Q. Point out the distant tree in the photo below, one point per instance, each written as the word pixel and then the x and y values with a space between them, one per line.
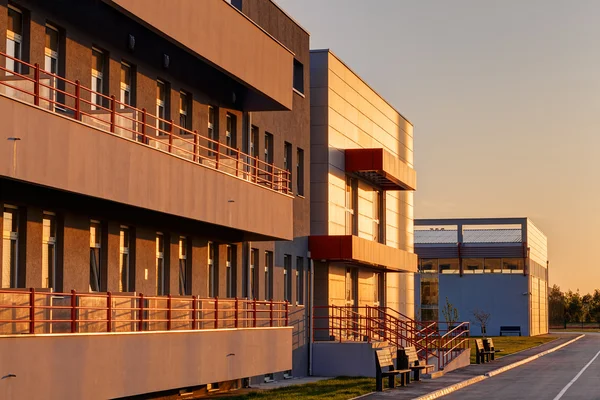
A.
pixel 481 318
pixel 574 309
pixel 450 314
pixel 557 306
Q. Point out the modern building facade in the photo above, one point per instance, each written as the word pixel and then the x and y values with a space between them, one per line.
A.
pixel 498 266
pixel 154 164
pixel 362 183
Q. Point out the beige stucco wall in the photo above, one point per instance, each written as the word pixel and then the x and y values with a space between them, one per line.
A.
pixel 103 366
pixel 347 114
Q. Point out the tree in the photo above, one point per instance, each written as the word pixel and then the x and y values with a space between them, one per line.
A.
pixel 450 314
pixel 481 319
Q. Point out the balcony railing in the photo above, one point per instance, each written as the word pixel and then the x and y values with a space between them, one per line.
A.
pixel 31 311
pixel 28 83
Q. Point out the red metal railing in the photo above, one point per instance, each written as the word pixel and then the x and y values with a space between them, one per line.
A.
pixel 366 323
pixel 35 312
pixel 70 98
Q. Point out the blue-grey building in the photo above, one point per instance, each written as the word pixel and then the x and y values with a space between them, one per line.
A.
pixel 497 266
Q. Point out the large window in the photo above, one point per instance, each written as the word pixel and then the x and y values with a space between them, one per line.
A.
pixel 162 107
pixel 378 291
pixel 51 54
pixel 185 117
pixel 378 216
pixel 183 267
pixel 126 84
pixel 299 280
pixel 160 265
pixel 253 273
pixel 428 266
pixel 287 277
pixel 98 65
pixel 300 171
pixel 95 254
pixel 512 265
pixel 124 261
pixel 230 270
pixel 351 206
pixel 213 133
pixel 10 239
pixel 287 162
pixel 449 266
pixel 212 270
pixel 14 39
pixel 231 134
pixel 268 275
pixel 492 265
pixel 48 250
pixel 472 265
pixel 298 76
pixel 351 285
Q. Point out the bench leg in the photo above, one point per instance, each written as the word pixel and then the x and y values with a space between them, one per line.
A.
pixel 417 373
pixel 402 380
pixel 392 381
pixel 379 384
pixel 492 355
pixel 477 358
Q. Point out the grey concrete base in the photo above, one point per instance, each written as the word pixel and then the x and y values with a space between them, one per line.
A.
pixel 344 359
pixel 460 361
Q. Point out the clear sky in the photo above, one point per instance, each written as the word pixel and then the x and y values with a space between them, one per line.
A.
pixel 505 100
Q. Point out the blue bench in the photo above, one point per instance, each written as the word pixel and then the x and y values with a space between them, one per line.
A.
pixel 510 329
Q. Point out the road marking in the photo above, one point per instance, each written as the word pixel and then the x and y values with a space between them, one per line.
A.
pixel 562 392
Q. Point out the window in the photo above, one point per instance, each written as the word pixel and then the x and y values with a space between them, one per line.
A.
pixel 124 262
pixel 51 57
pixel 160 265
pixel 97 77
pixel 351 203
pixel 269 156
pixel 300 171
pixel 230 270
pixel 512 265
pixel 183 272
pixel 185 120
pixel 268 275
pixel 213 134
pixel 14 39
pixel 428 266
pixel 254 141
pixel 212 270
pixel 472 265
pixel 287 163
pixel 162 113
pixel 298 76
pixel 448 266
pixel 48 250
pixel 95 254
pixel 429 291
pixel 492 265
pixel 230 134
pixel 299 280
pixel 10 239
pixel 126 82
pixel 378 216
pixel 253 272
pixel 287 277
pixel 351 285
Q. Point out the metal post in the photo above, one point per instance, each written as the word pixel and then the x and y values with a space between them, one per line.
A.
pixel 287 313
pixel 31 310
pixel 109 312
pixel 217 155
pixel 236 311
pixel 144 125
pixel 196 146
pixel 171 136
pixel 73 312
pixel 271 313
pixel 77 100
pixel 194 311
pixel 113 110
pixel 254 306
pixel 216 313
pixel 36 87
pixel 340 322
pixel 141 316
pixel 169 312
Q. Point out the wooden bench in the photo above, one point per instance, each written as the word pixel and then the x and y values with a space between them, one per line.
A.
pixel 510 329
pixel 481 354
pixel 407 358
pixel 488 345
pixel 383 359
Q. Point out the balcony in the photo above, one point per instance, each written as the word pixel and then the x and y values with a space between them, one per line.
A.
pixel 162 342
pixel 110 150
pixel 381 168
pixel 225 38
pixel 348 248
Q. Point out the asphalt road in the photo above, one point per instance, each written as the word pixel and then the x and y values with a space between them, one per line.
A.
pixel 570 373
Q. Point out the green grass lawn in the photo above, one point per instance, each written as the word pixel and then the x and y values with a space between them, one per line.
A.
pixel 332 389
pixel 512 344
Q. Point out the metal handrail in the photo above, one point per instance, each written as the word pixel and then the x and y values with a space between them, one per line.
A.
pixel 148 129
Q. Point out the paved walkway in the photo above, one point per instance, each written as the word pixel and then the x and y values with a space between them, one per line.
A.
pixel 426 386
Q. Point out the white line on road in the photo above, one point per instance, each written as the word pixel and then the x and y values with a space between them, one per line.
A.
pixel 562 392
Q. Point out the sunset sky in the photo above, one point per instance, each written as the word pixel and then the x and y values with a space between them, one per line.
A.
pixel 505 100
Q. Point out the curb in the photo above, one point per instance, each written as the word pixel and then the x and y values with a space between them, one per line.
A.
pixel 469 382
